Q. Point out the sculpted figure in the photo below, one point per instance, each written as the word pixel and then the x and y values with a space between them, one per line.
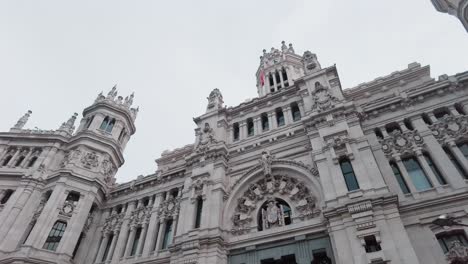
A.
pixel 266 161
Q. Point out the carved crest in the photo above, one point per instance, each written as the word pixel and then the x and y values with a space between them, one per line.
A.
pixel 323 98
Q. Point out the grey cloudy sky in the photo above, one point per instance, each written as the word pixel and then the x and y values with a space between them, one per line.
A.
pixel 56 56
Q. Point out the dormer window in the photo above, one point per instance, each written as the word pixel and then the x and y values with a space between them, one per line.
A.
pixel 107 124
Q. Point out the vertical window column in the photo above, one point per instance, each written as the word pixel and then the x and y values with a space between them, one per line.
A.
pixel 161 228
pixel 427 169
pixel 287 115
pixel 13 158
pixel 243 130
pixel 458 155
pixel 258 125
pixel 348 174
pixel 272 120
pixel 130 241
pixel 280 72
pixel 110 251
pixel 102 247
pixel 453 111
pixel 404 173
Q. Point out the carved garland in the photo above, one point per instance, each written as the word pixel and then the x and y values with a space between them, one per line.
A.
pixel 401 143
pixel 248 204
pixel 450 128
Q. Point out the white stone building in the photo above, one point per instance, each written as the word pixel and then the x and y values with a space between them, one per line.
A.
pixel 457 8
pixel 307 172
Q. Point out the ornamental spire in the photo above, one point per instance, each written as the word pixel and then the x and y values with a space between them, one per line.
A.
pixel 23 120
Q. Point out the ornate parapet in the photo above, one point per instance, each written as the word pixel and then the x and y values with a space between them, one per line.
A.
pixel 400 143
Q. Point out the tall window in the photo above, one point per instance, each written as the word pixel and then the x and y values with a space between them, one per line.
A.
pixel 265 122
pixel 371 244
pixel 106 250
pixel 19 161
pixel 88 122
pixel 122 135
pixel 278 80
pixel 464 149
pixel 285 77
pixel 77 246
pixel 28 231
pixel 6 196
pixel 401 181
pixel 7 160
pixel 417 175
pixel 107 124
pixel 250 127
pixel 31 162
pixel 455 163
pixel 446 239
pixel 349 176
pixel 167 234
pixel 434 169
pixel 55 236
pixel 279 117
pixel 441 112
pixel 198 213
pixel 135 242
pixel 236 131
pixel 73 197
pixel 296 114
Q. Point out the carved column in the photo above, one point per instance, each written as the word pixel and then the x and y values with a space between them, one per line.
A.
pixel 257 125
pixel 123 234
pixel 110 254
pixel 152 227
pixel 162 227
pixel 131 237
pixel 102 248
pixel 287 115
pixel 427 169
pixel 458 155
pixel 453 111
pixel 432 117
pixel 405 175
pixel 26 158
pixel 272 120
pixel 300 104
pixel 242 130
pixel 281 78
pixel 13 159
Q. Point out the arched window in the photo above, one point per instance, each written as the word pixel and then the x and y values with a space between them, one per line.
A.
pixel 107 124
pixel 296 113
pixel 6 196
pixel 274 212
pixel 416 173
pixel 250 127
pixel 198 212
pixel 279 117
pixel 55 235
pixel 348 174
pixel 235 128
pixel 32 161
pixel 285 77
pixel 426 119
pixel 378 133
pixel 19 161
pixel 434 169
pixel 110 126
pixel 401 181
pixel 459 109
pixel 265 122
pixel 7 160
pixel 278 80
pixel 104 123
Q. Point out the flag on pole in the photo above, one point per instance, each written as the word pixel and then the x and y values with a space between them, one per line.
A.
pixel 262 77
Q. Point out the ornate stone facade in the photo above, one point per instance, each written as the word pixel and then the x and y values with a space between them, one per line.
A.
pixel 308 172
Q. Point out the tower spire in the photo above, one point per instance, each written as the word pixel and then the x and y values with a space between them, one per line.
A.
pixel 23 120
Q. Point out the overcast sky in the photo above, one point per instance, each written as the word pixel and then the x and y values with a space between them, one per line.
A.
pixel 56 56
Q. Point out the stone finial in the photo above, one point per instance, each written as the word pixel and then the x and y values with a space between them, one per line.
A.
pixel 23 120
pixel 112 93
pixel 129 100
pixel 215 100
pixel 69 126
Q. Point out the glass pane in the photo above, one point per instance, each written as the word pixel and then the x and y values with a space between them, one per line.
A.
pixel 417 175
pixel 464 150
pixel 434 169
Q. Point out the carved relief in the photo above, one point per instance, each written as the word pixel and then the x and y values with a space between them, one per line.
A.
pixel 205 138
pixel 272 216
pixel 266 161
pixel 140 216
pixel 401 142
pixel 304 201
pixel 323 99
pixel 67 208
pixel 169 208
pixel 90 159
pixel 457 250
pixel 450 128
pixel 215 100
pixel 113 222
